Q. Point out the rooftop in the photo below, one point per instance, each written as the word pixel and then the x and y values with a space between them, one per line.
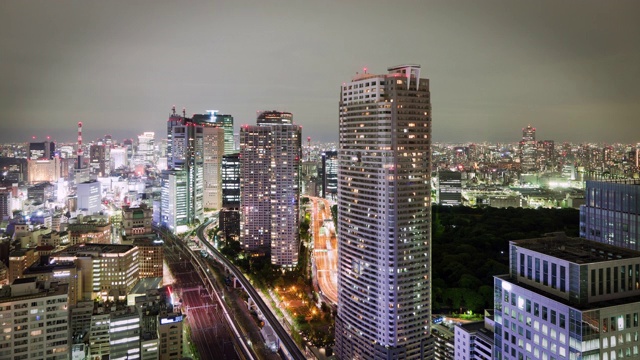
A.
pixel 90 248
pixel 576 250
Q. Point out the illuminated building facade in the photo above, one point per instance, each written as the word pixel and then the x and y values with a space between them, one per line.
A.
pixel 174 210
pixel 528 149
pixel 151 255
pixel 145 152
pixel 109 271
pixel 270 156
pixel 43 170
pixel 45 150
pixel 182 199
pixel 90 197
pixel 230 213
pixel 98 159
pixel 137 220
pixel 213 150
pixel 567 298
pixel 611 213
pixel 35 324
pixel 124 334
pixel 384 217
pixel 329 174
pixel 450 188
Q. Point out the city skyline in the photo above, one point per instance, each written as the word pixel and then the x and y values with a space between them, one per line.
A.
pixel 497 66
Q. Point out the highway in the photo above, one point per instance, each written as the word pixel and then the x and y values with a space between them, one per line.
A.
pixel 285 340
pixel 325 249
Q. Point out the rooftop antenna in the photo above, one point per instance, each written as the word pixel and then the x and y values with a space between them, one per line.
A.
pixel 173 109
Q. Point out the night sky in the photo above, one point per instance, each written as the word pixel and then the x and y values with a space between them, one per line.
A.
pixel 569 68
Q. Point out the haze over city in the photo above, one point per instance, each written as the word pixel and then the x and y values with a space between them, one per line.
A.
pixel 568 68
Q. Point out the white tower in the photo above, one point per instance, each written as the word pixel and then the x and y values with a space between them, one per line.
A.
pixel 384 216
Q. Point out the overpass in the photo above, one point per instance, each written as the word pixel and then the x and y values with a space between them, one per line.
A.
pixel 290 348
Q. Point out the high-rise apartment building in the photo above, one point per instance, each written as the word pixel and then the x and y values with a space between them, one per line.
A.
pixel 528 149
pixel 270 155
pixel 611 213
pixel 384 216
pixel 567 298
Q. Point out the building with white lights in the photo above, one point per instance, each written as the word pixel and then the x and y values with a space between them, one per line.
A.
pixel 528 149
pixel 34 320
pixel 270 154
pixel 43 170
pixel 108 271
pixel 384 217
pixel 89 197
pixel 567 298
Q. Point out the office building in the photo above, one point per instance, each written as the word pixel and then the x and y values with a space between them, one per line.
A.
pixel 213 150
pixel 124 334
pixel 98 159
pixel 546 157
pixel 118 158
pixel 223 121
pixel 230 213
pixel 43 170
pixel 108 271
pixel 384 217
pixel 450 188
pixel 567 298
pixel 182 198
pixel 89 197
pixel 45 150
pixel 528 149
pixel 19 262
pixel 270 155
pixel 474 340
pixel 611 213
pixel 89 229
pixel 145 152
pixel 6 212
pixel 35 320
pixel 151 255
pixel 329 174
pixel 136 220
pixel 174 209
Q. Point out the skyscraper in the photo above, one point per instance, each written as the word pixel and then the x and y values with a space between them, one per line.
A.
pixel 270 155
pixel 183 183
pixel 230 213
pixel 384 216
pixel 528 149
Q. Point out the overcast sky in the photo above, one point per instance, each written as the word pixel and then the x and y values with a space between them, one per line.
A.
pixel 569 68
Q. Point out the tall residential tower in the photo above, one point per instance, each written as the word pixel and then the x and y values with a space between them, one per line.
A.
pixel 384 216
pixel 270 156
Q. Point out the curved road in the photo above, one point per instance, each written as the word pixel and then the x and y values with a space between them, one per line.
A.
pixel 284 337
pixel 325 249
